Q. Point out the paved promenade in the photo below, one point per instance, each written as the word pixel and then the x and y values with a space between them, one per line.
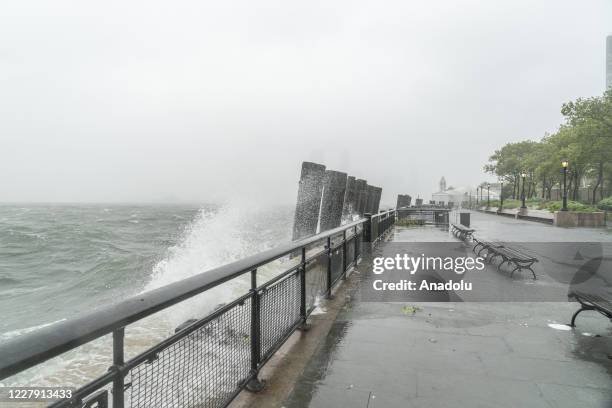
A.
pixel 464 354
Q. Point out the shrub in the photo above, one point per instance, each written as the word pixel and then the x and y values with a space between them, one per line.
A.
pixel 510 204
pixel 493 204
pixel 409 222
pixel 553 206
pixel 605 204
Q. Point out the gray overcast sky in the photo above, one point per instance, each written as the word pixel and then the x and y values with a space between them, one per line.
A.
pixel 151 100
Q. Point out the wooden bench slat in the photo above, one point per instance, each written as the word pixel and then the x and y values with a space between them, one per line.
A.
pixel 591 301
pixel 515 254
pixel 509 255
pixel 461 227
pixel 595 300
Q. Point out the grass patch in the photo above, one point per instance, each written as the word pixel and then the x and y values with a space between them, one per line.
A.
pixel 509 204
pixel 407 222
pixel 553 206
pixel 410 310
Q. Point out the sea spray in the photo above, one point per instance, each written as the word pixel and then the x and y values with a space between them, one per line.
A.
pixel 215 236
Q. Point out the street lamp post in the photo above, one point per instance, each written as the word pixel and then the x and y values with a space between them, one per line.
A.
pixel 523 175
pixel 477 196
pixel 501 195
pixel 564 164
pixel 488 196
pixel 588 187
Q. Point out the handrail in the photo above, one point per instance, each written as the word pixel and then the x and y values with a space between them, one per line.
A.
pixel 28 350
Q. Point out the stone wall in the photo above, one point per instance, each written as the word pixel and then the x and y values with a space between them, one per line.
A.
pixel 579 219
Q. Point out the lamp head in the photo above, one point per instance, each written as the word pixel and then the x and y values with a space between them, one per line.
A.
pixel 564 163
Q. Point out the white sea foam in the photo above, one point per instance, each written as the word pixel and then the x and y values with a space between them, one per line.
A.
pixel 214 238
pixel 14 333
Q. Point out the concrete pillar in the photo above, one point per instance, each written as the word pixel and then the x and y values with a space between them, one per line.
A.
pixel 377 196
pixel 373 199
pixel 349 198
pixel 361 196
pixel 464 219
pixel 403 200
pixel 334 188
pixel 369 199
pixel 308 200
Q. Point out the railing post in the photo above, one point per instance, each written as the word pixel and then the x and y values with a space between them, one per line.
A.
pixel 254 385
pixel 303 311
pixel 329 268
pixel 118 361
pixel 355 241
pixel 382 231
pixel 303 286
pixel 367 228
pixel 344 257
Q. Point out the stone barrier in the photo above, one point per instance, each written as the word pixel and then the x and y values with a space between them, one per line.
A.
pixel 332 202
pixel 361 187
pixel 308 203
pixel 403 200
pixel 350 202
pixel 579 219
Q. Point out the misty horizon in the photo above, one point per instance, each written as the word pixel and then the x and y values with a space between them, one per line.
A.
pixel 207 102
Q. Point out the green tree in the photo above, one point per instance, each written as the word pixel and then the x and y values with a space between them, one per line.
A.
pixel 585 140
pixel 509 161
pixel 592 119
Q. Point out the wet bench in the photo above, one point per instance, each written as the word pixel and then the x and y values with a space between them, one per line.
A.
pixel 589 301
pixel 461 231
pixel 482 245
pixel 512 256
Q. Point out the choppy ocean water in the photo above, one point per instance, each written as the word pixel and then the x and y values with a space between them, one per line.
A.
pixel 57 261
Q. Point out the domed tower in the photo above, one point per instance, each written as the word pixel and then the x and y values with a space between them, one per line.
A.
pixel 442 184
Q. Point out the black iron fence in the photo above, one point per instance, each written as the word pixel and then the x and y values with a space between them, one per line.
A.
pixel 379 224
pixel 427 215
pixel 208 361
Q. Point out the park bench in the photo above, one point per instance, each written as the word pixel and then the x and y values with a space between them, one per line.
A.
pixel 482 245
pixel 461 231
pixel 512 257
pixel 589 301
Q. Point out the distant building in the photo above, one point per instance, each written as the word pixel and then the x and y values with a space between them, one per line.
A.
pixel 442 184
pixel 447 194
pixel 457 195
pixel 608 61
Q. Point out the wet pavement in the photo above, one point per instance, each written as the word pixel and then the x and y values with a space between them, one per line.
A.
pixel 495 227
pixel 464 354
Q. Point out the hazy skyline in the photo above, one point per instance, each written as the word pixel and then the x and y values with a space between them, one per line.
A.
pixel 207 101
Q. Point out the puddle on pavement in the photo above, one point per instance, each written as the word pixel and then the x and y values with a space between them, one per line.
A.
pixel 558 326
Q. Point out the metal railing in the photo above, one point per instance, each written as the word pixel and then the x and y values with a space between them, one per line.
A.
pixel 207 362
pixel 379 224
pixel 426 214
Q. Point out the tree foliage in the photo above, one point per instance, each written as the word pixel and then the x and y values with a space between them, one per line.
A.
pixel 584 139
